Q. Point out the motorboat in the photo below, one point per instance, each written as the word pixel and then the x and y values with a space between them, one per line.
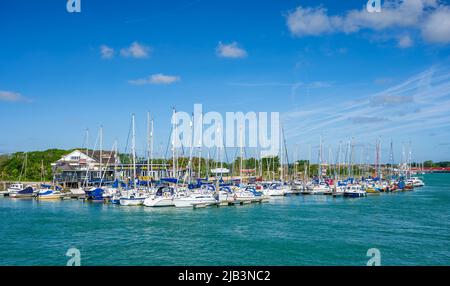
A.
pixel 415 182
pixel 354 191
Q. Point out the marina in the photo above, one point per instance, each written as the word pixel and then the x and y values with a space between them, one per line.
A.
pixel 409 228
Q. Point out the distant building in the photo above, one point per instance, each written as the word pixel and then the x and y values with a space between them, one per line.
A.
pixel 80 166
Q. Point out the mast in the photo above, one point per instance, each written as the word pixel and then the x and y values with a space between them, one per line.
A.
pixel 148 149
pixel 173 143
pixel 101 155
pixel 151 146
pixel 241 155
pixel 320 159
pixel 133 151
pixel 281 155
pixel 87 154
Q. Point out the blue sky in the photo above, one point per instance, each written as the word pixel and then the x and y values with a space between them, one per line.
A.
pixel 330 68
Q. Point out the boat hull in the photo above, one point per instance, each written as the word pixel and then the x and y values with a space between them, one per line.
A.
pixel 158 202
pixel 131 201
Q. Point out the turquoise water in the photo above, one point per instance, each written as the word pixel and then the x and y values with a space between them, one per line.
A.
pixel 410 228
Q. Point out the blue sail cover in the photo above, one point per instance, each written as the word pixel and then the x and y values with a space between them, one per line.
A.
pixel 118 183
pixel 27 190
pixel 95 194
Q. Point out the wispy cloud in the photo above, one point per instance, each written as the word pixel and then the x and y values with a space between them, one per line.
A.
pixel 418 104
pixel 106 52
pixel 367 119
pixel 405 42
pixel 231 50
pixel 136 50
pixel 430 17
pixel 156 79
pixel 386 99
pixel 12 96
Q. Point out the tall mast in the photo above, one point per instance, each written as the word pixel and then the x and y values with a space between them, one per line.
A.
pixel 101 154
pixel 173 143
pixel 220 154
pixel 320 159
pixel 281 155
pixel 241 155
pixel 87 155
pixel 151 146
pixel 133 151
pixel 148 149
pixel 192 143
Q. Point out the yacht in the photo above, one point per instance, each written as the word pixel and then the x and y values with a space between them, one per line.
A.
pixel 184 200
pixel 415 182
pixel 321 188
pixel 48 194
pixel 163 197
pixel 276 190
pixel 19 191
pixel 225 196
pixel 132 198
pixel 354 191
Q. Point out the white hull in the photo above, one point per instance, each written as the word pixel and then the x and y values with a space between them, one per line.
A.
pixel 159 202
pixel 193 200
pixel 131 202
pixel 274 192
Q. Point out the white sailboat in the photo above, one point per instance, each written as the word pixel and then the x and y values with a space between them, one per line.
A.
pixel 133 197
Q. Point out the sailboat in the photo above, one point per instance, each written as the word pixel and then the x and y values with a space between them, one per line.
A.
pixel 133 197
pixel 96 193
pixel 19 190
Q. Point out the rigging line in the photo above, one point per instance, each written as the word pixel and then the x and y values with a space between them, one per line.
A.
pixel 168 143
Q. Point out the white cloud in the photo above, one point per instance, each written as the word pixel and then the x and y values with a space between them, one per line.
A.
pixel 106 52
pixel 431 17
pixel 11 96
pixel 436 29
pixel 231 50
pixel 309 21
pixel 156 79
pixel 136 50
pixel 405 42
